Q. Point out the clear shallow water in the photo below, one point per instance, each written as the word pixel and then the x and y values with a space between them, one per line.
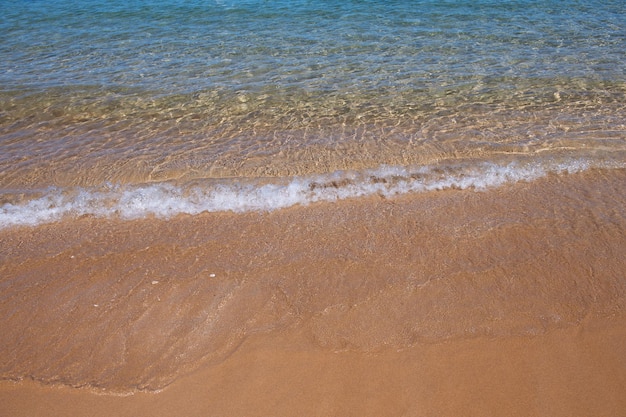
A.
pixel 127 93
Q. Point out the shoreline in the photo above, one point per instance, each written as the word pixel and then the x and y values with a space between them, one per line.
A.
pixel 450 302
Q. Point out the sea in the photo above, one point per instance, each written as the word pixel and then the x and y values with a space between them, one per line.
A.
pixel 140 108
pixel 316 161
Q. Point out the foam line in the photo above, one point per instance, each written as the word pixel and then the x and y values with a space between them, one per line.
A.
pixel 164 200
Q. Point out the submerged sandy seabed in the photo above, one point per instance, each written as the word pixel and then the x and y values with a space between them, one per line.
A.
pixel 459 302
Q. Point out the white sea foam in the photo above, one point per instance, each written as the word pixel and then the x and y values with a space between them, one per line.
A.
pixel 164 200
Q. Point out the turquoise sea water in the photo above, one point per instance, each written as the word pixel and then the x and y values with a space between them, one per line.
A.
pixel 112 97
pixel 186 47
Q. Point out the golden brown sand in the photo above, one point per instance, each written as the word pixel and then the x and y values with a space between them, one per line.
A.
pixel 504 302
pixel 577 371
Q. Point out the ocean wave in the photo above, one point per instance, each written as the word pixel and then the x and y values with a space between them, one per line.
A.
pixel 164 200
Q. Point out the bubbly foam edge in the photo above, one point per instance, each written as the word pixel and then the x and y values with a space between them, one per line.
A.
pixel 164 200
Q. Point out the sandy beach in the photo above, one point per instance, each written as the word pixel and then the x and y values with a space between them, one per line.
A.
pixel 459 302
pixel 251 208
pixel 577 371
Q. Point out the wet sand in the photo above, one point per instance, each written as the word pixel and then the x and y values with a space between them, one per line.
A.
pixel 502 302
pixel 579 371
